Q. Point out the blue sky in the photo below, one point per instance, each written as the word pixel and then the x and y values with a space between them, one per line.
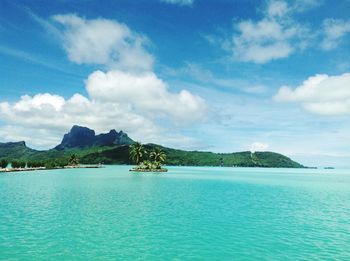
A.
pixel 209 75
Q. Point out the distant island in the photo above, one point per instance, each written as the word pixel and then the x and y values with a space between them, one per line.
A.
pixel 114 148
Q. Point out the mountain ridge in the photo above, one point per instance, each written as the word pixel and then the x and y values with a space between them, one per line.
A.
pixel 80 137
pixel 113 148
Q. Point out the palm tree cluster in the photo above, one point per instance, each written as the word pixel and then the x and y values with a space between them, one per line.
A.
pixel 145 159
pixel 73 160
pixel 18 164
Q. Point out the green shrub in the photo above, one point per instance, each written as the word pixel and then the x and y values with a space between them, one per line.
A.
pixel 57 163
pixel 35 164
pixel 3 163
pixel 18 164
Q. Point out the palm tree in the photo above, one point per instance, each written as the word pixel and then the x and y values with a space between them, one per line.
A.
pixel 137 152
pixel 73 160
pixel 157 155
pixel 147 164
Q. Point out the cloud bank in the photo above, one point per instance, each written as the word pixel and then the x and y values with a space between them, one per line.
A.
pixel 278 34
pixel 128 96
pixel 273 37
pixel 116 100
pixel 320 94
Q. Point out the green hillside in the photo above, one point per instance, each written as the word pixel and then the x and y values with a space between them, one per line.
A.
pixel 119 155
pixel 115 152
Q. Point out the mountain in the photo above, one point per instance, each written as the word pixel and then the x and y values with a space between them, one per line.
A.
pixel 82 137
pixel 15 150
pixel 113 148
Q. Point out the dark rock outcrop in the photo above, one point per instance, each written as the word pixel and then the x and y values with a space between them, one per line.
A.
pixel 81 137
pixel 18 144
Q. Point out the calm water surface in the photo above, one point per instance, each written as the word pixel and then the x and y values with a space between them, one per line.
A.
pixel 186 214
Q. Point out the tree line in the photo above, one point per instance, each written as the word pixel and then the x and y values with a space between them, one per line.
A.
pixel 49 164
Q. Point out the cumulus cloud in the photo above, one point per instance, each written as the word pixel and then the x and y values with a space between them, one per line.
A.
pixel 258 146
pixel 334 31
pixel 178 2
pixel 128 96
pixel 275 36
pixel 320 94
pixel 103 42
pixel 131 102
pixel 145 93
pixel 43 110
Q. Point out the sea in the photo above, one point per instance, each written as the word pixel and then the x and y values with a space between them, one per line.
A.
pixel 188 213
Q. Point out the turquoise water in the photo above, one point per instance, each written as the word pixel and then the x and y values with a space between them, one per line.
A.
pixel 186 214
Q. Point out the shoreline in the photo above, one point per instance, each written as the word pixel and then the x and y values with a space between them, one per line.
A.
pixel 148 170
pixel 8 170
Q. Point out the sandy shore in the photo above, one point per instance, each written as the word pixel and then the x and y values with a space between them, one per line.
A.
pixel 43 168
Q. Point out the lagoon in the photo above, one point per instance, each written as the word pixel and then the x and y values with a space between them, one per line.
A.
pixel 189 213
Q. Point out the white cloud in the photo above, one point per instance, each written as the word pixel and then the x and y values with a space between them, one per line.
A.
pixel 103 42
pixel 129 96
pixel 320 94
pixel 40 101
pixel 258 146
pixel 145 93
pixel 302 5
pixel 334 31
pixel 76 110
pixel 179 2
pixel 277 8
pixel 18 133
pixel 275 36
pixel 116 99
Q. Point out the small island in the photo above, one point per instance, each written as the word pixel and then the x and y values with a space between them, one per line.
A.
pixel 147 161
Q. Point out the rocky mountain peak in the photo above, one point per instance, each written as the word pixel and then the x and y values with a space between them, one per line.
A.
pixel 80 137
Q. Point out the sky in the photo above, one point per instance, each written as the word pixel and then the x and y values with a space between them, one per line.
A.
pixel 222 76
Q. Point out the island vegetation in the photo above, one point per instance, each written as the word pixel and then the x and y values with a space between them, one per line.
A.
pixel 147 161
pixel 4 163
pixel 115 147
pixel 62 163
